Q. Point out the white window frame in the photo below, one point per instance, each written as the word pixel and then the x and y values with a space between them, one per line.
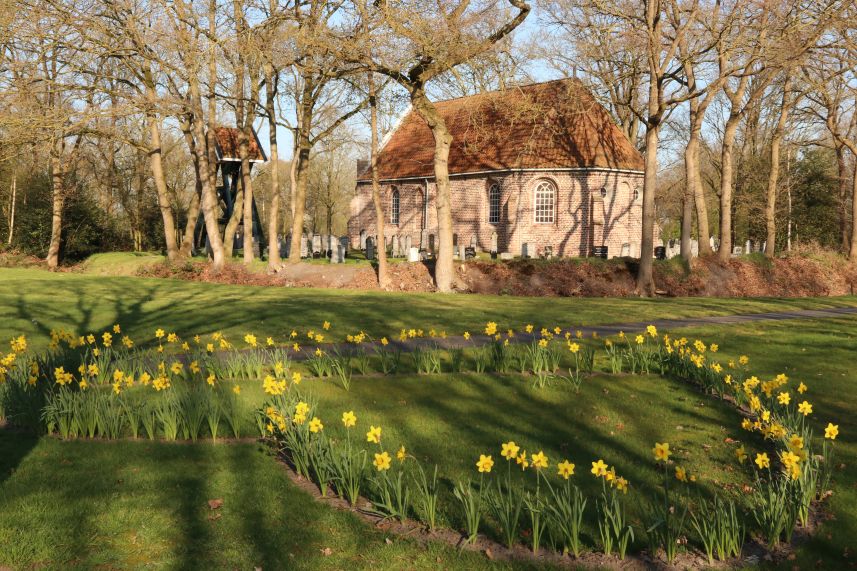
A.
pixel 540 211
pixel 494 199
pixel 395 203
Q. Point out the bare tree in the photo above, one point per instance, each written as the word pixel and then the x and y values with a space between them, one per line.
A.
pixel 414 43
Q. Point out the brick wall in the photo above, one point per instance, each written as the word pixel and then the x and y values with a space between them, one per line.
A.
pixel 576 227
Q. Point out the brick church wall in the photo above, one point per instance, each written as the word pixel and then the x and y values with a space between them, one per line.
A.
pixel 616 220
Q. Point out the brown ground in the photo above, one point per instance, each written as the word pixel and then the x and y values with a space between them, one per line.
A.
pixel 753 276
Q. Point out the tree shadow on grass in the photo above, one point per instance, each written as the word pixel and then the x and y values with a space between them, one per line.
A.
pixel 14 448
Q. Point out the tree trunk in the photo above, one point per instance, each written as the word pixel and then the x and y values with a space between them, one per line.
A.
pixel 208 180
pixel 727 158
pixel 841 172
pixel 383 280
pixel 187 244
pixel 773 175
pixel 58 202
pixel 157 167
pixel 299 200
pixel 444 270
pixel 303 145
pixel 645 279
pixel 208 160
pixel 274 212
pixel 686 224
pixel 14 192
pixel 852 252
pixel 694 186
pixel 233 222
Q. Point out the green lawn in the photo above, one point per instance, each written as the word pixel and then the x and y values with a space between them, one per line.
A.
pixel 139 504
pixel 35 301
pixel 135 505
pixel 822 354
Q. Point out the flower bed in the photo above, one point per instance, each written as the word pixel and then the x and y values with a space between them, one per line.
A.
pixel 105 386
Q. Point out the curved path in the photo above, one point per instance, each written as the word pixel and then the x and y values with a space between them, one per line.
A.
pixel 612 329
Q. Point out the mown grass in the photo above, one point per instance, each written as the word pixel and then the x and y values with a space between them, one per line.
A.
pixel 33 302
pixel 139 504
pixel 822 354
pixel 136 505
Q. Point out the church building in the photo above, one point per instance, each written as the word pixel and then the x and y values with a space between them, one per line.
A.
pixel 537 170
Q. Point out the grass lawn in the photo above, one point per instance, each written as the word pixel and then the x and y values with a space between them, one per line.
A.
pixel 135 504
pixel 35 301
pixel 822 354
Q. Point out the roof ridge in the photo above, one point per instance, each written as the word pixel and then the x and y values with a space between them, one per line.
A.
pixel 510 87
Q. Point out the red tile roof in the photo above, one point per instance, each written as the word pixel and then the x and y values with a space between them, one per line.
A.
pixel 227 145
pixel 556 124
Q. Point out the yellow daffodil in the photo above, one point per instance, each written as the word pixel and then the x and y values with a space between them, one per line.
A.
pixel 599 468
pixel 490 328
pixel 236 389
pixel 741 454
pixel 661 451
pixel 315 425
pixel 680 474
pixel 348 419
pixel 522 460
pixel 485 463
pixel 565 469
pixel 762 461
pixel 801 388
pixel 539 460
pixel 382 461
pixel 509 450
pixel 374 435
pixel 804 408
pixel 831 431
pixel 401 454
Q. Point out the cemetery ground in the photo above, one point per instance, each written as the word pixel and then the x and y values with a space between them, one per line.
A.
pixel 139 503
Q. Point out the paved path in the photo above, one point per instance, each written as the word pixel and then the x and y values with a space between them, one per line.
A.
pixel 663 325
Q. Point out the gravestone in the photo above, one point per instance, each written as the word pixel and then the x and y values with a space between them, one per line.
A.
pixel 338 254
pixel 407 244
pixel 397 249
pixel 413 254
pixel 474 243
pixel 304 246
pixel 635 250
pixel 469 253
pixel 712 243
pixel 626 250
pixel 316 245
pixel 363 239
pixel 370 249
pixel 424 237
pixel 694 248
pixel 344 243
pixel 736 251
pixel 494 243
pixel 526 250
pixel 282 247
pixel 748 247
pixel 507 256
